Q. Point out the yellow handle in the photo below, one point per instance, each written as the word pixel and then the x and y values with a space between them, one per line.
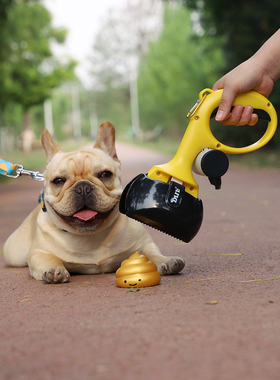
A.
pixel 198 136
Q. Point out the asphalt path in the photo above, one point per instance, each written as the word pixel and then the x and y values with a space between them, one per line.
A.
pixel 217 320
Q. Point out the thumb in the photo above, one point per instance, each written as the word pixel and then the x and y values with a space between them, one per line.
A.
pixel 226 101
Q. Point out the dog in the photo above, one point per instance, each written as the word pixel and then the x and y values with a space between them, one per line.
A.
pixel 79 228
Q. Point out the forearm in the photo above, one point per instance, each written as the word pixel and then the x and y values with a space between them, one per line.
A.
pixel 258 73
pixel 268 56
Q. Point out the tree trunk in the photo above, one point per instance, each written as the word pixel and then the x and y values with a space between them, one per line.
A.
pixel 25 121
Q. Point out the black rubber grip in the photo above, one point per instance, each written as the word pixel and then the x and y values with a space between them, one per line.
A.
pixel 261 114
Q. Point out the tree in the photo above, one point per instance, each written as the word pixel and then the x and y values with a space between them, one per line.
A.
pixel 122 41
pixel 244 26
pixel 4 6
pixel 177 67
pixel 118 49
pixel 30 69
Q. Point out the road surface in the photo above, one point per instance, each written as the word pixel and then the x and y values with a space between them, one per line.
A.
pixel 204 324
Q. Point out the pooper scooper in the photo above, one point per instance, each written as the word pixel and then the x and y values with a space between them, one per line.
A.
pixel 167 197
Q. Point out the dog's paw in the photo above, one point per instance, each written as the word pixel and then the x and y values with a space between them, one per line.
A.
pixel 55 275
pixel 173 265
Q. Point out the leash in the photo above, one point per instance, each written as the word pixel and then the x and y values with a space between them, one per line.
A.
pixel 15 170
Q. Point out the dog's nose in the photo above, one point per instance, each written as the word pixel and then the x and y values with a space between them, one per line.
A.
pixel 84 189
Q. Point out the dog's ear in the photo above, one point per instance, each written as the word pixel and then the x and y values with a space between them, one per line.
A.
pixel 50 147
pixel 106 139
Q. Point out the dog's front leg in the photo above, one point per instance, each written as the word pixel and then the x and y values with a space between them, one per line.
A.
pixel 165 264
pixel 47 267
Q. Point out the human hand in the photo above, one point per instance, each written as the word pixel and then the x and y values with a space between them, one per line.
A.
pixel 245 77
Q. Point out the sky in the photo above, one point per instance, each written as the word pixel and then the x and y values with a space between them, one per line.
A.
pixel 83 19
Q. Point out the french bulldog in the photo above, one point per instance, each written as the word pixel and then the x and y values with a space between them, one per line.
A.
pixel 79 228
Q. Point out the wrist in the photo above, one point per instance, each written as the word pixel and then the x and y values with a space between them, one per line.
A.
pixel 268 58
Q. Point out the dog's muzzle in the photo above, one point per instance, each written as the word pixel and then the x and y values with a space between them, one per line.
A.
pixel 83 190
pixel 86 216
pixel 84 195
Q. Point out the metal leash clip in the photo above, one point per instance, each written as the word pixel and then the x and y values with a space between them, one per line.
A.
pixel 7 169
pixel 21 171
pixel 198 103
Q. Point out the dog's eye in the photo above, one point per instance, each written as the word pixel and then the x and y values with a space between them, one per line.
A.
pixel 105 174
pixel 59 181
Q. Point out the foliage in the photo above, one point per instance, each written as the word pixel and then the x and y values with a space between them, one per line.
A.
pixel 244 25
pixel 62 112
pixel 30 71
pixel 113 105
pixel 4 7
pixel 122 40
pixel 178 66
pixel 34 71
pixel 117 52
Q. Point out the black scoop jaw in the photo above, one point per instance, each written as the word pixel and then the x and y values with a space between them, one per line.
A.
pixel 166 207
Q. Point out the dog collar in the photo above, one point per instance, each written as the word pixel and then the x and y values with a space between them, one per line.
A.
pixel 41 200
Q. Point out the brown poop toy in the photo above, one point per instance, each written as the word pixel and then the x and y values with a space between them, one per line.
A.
pixel 137 272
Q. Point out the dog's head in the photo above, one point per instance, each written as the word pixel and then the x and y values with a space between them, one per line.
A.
pixel 83 188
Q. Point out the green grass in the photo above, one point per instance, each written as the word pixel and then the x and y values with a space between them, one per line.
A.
pixel 259 159
pixel 162 145
pixel 36 160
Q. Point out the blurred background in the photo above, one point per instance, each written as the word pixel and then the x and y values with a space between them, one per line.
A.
pixel 140 64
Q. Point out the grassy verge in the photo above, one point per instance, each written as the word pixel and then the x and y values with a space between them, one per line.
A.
pixel 36 160
pixel 259 159
pixel 162 145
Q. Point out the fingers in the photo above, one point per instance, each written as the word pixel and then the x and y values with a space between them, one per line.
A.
pixel 241 116
pixel 226 101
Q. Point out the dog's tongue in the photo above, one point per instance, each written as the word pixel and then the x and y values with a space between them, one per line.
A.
pixel 85 215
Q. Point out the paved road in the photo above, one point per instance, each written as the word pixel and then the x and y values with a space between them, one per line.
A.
pixel 202 324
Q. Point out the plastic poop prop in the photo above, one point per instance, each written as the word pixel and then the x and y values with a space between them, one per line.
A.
pixel 137 272
pixel 167 197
